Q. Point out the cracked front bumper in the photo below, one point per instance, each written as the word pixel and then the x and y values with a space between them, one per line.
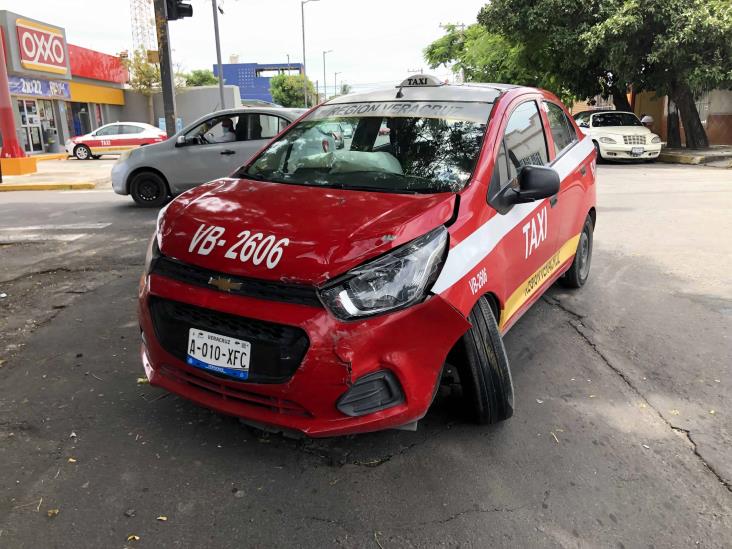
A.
pixel 411 344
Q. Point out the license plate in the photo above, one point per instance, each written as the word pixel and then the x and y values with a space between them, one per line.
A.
pixel 636 151
pixel 218 353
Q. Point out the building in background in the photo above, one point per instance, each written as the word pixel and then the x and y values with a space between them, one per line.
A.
pixel 252 79
pixel 58 90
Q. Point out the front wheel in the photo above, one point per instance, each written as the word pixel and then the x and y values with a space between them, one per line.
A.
pixel 600 159
pixel 149 190
pixel 578 273
pixel 82 152
pixel 484 372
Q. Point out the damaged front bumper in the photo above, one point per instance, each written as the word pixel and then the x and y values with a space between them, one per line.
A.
pixel 373 374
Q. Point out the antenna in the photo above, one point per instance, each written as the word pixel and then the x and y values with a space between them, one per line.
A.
pixel 142 21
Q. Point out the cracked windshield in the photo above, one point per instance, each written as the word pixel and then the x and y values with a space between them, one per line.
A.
pixel 402 147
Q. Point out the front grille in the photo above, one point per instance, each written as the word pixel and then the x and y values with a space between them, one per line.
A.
pixel 277 350
pixel 634 139
pixel 250 287
pixel 211 385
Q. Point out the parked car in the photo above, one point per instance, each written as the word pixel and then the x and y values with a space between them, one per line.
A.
pixel 113 139
pixel 213 146
pixel 619 135
pixel 323 292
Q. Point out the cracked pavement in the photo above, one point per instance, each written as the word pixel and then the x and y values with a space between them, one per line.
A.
pixel 613 442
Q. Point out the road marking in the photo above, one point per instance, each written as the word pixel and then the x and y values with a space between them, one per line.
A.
pixel 65 227
pixel 38 237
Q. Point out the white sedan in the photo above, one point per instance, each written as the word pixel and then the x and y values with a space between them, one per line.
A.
pixel 619 135
pixel 114 139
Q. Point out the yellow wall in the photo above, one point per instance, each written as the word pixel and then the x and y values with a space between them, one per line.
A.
pixel 89 93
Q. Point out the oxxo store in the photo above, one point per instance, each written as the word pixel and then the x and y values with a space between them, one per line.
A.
pixel 58 90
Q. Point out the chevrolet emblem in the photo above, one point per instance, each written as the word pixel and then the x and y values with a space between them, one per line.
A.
pixel 224 284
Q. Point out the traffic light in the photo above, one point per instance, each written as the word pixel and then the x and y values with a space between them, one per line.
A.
pixel 175 9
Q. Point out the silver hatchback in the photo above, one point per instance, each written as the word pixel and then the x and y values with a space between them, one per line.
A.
pixel 213 146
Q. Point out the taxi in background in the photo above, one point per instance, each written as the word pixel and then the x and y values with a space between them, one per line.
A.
pixel 114 138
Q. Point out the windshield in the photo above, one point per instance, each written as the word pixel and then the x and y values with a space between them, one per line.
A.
pixel 608 119
pixel 407 147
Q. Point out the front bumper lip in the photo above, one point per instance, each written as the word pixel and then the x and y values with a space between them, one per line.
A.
pixel 339 354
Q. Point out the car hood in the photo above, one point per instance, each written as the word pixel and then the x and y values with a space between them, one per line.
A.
pixel 622 130
pixel 327 231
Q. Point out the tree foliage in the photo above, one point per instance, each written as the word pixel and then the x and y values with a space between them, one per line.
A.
pixel 200 77
pixel 286 90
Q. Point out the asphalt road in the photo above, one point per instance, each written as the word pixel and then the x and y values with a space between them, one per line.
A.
pixel 621 436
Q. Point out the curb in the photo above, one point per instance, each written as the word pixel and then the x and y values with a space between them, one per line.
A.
pixel 693 159
pixel 51 156
pixel 83 185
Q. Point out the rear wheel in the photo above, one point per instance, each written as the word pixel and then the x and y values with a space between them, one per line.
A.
pixel 484 372
pixel 578 273
pixel 82 152
pixel 149 189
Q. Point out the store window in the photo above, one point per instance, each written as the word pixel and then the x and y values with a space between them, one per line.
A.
pixel 80 118
pixel 30 124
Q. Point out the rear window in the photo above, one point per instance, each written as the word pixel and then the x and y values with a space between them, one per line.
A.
pixel 413 147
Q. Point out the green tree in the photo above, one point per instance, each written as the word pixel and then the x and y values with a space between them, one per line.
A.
pixel 200 77
pixel 144 79
pixel 675 47
pixel 286 90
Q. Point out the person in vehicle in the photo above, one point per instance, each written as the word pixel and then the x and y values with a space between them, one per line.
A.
pixel 227 132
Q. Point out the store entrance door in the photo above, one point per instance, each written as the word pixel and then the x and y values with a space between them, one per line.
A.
pixel 30 123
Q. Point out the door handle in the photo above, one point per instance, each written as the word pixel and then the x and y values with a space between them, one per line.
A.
pixel 553 200
pixel 227 151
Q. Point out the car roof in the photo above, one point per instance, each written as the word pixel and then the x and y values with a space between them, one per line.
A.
pixel 471 91
pixel 254 110
pixel 602 111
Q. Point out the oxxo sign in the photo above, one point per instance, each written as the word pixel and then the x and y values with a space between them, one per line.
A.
pixel 42 48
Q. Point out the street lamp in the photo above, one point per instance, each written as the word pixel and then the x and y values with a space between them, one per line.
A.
pixel 304 72
pixel 217 9
pixel 335 83
pixel 325 86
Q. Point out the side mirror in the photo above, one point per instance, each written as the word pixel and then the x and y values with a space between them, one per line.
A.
pixel 180 141
pixel 535 183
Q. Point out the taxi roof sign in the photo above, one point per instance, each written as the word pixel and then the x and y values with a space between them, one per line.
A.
pixel 420 81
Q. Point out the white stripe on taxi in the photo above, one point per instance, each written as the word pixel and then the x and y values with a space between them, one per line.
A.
pixel 466 255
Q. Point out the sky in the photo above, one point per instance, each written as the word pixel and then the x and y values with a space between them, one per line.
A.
pixel 375 43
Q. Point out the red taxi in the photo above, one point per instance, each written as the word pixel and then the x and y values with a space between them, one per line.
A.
pixel 113 139
pixel 322 290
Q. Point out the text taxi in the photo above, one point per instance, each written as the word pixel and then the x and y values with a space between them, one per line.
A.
pixel 322 290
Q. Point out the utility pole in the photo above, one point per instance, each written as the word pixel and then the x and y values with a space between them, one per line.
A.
pixel 304 72
pixel 166 66
pixel 325 86
pixel 218 51
pixel 335 83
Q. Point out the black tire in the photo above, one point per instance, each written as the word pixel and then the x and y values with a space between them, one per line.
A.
pixel 600 159
pixel 484 372
pixel 82 152
pixel 578 273
pixel 96 156
pixel 149 189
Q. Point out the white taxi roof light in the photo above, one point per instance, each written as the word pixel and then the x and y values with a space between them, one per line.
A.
pixel 421 81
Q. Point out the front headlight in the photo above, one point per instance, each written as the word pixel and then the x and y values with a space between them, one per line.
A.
pixel 655 139
pixel 607 140
pixel 396 280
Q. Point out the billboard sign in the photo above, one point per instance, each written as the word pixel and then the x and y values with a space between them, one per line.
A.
pixel 41 47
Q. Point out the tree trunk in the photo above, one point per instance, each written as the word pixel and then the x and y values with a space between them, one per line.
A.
pixel 620 99
pixel 696 136
pixel 150 111
pixel 673 137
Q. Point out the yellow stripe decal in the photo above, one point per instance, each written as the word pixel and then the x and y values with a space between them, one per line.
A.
pixel 529 286
pixel 101 150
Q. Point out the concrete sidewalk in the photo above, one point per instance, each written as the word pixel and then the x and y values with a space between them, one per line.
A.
pixel 719 156
pixel 61 174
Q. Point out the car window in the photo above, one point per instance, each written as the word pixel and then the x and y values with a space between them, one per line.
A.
pixel 259 126
pixel 108 130
pixel 129 129
pixel 571 128
pixel 524 138
pixel 559 128
pixel 583 119
pixel 219 129
pixel 500 177
pixel 421 147
pixel 610 119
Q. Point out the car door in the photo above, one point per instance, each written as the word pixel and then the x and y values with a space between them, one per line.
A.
pixel 572 162
pixel 525 253
pixel 103 139
pixel 132 136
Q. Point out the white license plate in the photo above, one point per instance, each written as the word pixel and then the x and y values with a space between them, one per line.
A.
pixel 636 151
pixel 218 353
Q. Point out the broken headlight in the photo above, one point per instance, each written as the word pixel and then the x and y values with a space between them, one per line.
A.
pixel 393 281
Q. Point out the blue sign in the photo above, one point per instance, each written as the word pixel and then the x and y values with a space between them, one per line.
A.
pixel 178 124
pixel 39 88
